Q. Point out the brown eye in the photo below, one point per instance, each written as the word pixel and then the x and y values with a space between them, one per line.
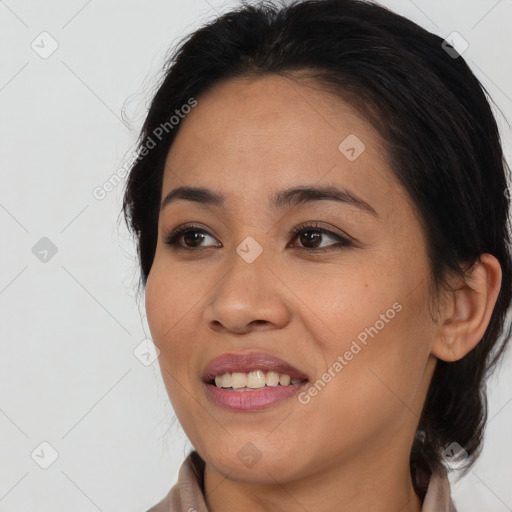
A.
pixel 192 237
pixel 310 236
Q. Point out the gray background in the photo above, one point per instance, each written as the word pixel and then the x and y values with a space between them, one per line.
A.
pixel 71 321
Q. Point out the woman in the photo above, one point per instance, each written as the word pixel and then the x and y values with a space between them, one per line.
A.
pixel 320 206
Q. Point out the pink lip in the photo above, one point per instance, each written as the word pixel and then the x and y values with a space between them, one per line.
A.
pixel 251 400
pixel 248 362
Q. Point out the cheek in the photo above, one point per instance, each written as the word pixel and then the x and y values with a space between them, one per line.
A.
pixel 171 309
pixel 168 301
pixel 382 334
pixel 163 311
pixel 377 391
pixel 350 303
pixel 389 371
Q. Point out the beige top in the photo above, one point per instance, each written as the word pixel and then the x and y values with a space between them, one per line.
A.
pixel 187 494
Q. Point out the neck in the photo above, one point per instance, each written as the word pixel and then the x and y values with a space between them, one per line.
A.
pixel 380 487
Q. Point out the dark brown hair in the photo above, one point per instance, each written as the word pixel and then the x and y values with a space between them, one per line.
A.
pixel 442 141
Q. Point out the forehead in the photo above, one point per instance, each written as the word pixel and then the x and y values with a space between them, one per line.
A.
pixel 249 136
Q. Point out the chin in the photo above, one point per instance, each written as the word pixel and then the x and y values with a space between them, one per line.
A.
pixel 251 465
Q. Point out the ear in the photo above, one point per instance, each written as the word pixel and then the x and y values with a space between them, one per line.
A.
pixel 466 310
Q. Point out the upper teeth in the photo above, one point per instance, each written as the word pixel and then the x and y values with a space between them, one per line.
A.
pixel 254 380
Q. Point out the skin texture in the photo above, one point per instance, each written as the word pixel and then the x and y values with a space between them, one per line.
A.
pixel 249 138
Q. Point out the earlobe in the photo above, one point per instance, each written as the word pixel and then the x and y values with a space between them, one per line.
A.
pixel 467 311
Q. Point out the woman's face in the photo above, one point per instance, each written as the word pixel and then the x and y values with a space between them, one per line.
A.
pixel 352 317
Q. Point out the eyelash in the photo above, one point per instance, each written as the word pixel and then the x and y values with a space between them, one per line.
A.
pixel 172 237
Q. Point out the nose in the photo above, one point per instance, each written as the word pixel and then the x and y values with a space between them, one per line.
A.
pixel 250 296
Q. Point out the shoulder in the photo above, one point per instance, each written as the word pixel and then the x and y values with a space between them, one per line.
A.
pixel 187 493
pixel 438 497
pixel 162 506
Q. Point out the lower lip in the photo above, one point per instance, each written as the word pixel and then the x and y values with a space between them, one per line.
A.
pixel 252 400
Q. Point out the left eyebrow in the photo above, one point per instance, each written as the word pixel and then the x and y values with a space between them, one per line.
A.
pixel 301 195
pixel 290 197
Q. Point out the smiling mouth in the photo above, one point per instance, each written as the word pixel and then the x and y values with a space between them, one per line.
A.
pixel 254 380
